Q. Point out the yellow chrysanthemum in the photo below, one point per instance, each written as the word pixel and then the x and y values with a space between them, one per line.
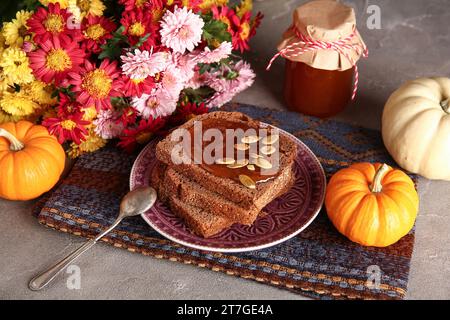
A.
pixel 92 143
pixel 62 3
pixel 86 7
pixel 16 31
pixel 15 66
pixel 244 7
pixel 89 113
pixel 2 42
pixel 74 151
pixel 39 92
pixel 207 4
pixel 17 104
pixel 3 83
pixel 6 117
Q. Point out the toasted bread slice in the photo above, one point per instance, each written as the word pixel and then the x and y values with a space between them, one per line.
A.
pixel 228 188
pixel 200 221
pixel 194 194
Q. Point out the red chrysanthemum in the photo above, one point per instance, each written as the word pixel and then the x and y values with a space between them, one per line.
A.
pixel 142 134
pixel 241 29
pixel 96 30
pixel 193 5
pixel 245 29
pixel 138 25
pixel 67 107
pixel 187 111
pixel 55 58
pixel 52 21
pixel 226 15
pixel 136 4
pixel 95 86
pixel 67 128
pixel 128 116
pixel 136 87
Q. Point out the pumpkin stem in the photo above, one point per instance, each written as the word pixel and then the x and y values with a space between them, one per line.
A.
pixel 445 105
pixel 14 143
pixel 376 184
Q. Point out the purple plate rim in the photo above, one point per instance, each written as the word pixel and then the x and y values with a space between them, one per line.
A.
pixel 238 249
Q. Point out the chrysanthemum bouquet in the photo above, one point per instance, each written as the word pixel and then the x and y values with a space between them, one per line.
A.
pixel 92 70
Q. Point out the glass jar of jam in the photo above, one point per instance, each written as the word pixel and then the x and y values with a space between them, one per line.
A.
pixel 321 49
pixel 317 92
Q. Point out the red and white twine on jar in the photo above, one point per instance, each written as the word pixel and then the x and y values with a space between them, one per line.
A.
pixel 306 44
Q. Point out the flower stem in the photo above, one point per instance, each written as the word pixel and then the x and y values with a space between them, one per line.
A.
pixel 376 184
pixel 14 143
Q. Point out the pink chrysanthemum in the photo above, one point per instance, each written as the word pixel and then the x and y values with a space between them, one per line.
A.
pixel 171 82
pixel 197 80
pixel 235 79
pixel 181 30
pixel 212 56
pixel 186 64
pixel 141 64
pixel 95 86
pixel 107 125
pixel 156 104
pixel 219 98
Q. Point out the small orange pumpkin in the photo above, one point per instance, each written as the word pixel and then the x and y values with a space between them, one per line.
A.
pixel 31 160
pixel 372 204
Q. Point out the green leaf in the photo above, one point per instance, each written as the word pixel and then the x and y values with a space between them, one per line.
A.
pixel 141 41
pixel 113 47
pixel 215 31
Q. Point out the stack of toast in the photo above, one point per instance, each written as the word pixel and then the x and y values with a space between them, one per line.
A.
pixel 211 198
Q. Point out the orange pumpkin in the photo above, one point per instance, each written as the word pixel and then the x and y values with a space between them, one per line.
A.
pixel 31 160
pixel 372 204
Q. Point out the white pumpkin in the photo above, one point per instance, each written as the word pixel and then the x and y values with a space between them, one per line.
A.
pixel 416 127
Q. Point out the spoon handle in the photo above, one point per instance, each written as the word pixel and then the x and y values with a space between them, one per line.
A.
pixel 44 278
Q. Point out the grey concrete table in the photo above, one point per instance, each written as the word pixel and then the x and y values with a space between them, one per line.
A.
pixel 413 41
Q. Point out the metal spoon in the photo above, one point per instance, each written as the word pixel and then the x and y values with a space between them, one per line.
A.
pixel 134 203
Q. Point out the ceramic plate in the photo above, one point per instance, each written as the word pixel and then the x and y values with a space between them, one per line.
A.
pixel 286 216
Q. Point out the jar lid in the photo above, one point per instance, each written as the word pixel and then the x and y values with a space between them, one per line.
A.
pixel 324 36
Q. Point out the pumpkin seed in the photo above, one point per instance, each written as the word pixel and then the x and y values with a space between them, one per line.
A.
pixel 251 167
pixel 247 181
pixel 238 164
pixel 254 155
pixel 241 146
pixel 270 139
pixel 250 139
pixel 267 150
pixel 225 161
pixel 263 163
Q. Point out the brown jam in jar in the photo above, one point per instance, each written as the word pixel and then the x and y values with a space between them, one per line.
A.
pixel 321 47
pixel 317 92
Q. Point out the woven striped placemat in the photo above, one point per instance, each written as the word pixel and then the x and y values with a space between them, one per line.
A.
pixel 319 262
